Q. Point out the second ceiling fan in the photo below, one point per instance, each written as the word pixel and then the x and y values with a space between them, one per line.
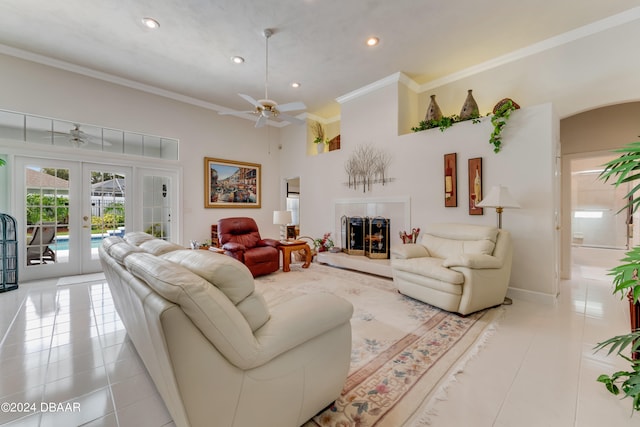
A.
pixel 267 108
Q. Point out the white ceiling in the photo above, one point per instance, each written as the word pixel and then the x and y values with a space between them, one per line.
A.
pixel 319 43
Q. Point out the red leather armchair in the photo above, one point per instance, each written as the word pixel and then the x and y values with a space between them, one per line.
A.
pixel 241 240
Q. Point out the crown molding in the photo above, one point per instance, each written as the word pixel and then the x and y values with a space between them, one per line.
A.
pixel 372 87
pixel 44 60
pixel 548 44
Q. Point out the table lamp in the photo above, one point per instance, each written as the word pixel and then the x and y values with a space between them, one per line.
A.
pixel 499 198
pixel 282 218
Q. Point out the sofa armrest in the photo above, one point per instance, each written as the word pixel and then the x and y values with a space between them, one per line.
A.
pixel 268 242
pixel 410 250
pixel 475 261
pixel 296 321
pixel 234 247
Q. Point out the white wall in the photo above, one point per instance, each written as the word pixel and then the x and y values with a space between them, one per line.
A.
pixel 525 165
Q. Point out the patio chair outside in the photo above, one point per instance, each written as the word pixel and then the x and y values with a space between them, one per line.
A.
pixel 38 250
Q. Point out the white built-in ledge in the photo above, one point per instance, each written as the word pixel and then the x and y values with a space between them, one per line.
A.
pixel 380 267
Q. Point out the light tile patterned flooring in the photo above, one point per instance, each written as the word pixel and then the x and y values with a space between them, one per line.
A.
pixel 65 343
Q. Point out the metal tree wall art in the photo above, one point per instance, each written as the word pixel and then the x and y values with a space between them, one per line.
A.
pixel 367 165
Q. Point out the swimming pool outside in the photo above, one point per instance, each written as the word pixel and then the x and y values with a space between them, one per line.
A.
pixel 62 242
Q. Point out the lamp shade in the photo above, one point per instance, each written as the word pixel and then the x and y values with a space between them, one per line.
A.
pixel 498 197
pixel 282 217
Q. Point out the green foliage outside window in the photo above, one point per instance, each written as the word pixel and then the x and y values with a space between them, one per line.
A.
pixel 43 209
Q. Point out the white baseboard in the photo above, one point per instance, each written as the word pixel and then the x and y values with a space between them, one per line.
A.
pixel 537 297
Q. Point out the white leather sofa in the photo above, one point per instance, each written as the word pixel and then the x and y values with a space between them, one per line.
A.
pixel 461 268
pixel 218 355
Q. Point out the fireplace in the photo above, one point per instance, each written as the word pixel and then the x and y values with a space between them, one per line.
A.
pixel 365 236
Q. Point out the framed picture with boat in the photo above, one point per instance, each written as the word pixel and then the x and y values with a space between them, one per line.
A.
pixel 231 184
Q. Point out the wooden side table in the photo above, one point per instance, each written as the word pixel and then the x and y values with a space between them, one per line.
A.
pixel 287 247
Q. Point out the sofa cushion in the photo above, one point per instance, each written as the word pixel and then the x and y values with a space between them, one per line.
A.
pixel 119 249
pixel 150 244
pixel 455 231
pixel 207 307
pixel 428 267
pixel 261 254
pixel 230 276
pixel 446 248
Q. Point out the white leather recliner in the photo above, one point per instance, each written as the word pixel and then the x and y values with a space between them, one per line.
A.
pixel 218 355
pixel 460 268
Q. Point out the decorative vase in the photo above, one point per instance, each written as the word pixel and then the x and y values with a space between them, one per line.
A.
pixel 320 147
pixel 469 108
pixel 502 102
pixel 433 112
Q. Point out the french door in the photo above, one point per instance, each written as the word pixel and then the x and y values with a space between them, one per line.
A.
pixel 64 210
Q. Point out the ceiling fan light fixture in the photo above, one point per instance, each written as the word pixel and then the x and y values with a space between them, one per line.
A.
pixel 150 23
pixel 373 41
pixel 266 108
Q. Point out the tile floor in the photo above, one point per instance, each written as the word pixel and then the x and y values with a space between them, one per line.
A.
pixel 539 368
pixel 62 342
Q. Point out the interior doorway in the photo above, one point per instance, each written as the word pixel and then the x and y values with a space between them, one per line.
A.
pixel 293 204
pixel 598 215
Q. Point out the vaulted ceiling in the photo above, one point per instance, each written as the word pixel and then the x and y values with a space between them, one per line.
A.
pixel 318 43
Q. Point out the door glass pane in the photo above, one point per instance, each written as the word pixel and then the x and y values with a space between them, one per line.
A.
pixel 107 207
pixel 47 215
pixel 156 207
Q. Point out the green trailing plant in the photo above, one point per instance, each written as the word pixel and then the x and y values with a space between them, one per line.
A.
pixel 444 123
pixel 2 162
pixel 499 120
pixel 625 170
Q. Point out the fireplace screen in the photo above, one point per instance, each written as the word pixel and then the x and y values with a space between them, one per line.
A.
pixel 353 235
pixel 366 236
pixel 377 238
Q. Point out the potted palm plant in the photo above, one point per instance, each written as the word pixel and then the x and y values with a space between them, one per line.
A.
pixel 626 169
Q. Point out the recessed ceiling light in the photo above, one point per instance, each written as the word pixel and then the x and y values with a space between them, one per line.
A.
pixel 373 41
pixel 237 59
pixel 295 85
pixel 150 23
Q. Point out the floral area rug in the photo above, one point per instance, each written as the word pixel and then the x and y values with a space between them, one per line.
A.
pixel 402 349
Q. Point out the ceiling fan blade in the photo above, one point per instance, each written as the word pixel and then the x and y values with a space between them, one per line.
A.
pixel 292 106
pixel 235 113
pixel 250 100
pixel 291 119
pixel 262 120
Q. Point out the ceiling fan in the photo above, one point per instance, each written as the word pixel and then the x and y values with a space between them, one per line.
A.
pixel 77 137
pixel 267 108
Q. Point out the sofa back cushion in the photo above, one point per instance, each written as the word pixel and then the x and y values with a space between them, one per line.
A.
pixel 208 308
pixel 242 230
pixel 448 240
pixel 230 276
pixel 150 244
pixel 118 248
